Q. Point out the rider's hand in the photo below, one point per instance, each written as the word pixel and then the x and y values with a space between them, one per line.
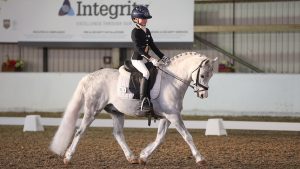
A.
pixel 154 61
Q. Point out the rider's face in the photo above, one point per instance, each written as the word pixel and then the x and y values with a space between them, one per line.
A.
pixel 142 22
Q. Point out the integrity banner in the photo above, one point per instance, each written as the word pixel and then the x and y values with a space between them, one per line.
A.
pixel 92 20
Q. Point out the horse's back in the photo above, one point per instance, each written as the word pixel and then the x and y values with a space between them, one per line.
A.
pixel 100 83
pixel 106 74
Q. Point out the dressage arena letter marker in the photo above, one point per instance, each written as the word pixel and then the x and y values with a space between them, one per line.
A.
pixel 33 123
pixel 215 127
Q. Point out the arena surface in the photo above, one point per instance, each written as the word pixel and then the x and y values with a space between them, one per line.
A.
pixel 98 149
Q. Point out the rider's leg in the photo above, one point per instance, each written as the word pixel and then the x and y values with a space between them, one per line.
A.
pixel 140 66
pixel 144 88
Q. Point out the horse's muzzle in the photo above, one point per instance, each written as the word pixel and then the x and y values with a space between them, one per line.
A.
pixel 202 94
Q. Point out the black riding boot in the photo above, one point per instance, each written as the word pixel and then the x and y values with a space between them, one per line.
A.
pixel 145 102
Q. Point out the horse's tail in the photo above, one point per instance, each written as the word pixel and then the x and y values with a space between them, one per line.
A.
pixel 66 129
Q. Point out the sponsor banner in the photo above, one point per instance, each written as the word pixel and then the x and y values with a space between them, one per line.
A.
pixel 93 20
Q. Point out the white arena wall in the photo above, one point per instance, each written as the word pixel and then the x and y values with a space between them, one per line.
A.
pixel 229 94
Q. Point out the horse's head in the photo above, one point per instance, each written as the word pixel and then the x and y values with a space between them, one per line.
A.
pixel 192 67
pixel 201 76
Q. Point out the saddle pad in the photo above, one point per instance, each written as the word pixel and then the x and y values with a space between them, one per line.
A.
pixel 123 85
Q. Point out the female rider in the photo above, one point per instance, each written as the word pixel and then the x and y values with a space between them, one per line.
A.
pixel 142 42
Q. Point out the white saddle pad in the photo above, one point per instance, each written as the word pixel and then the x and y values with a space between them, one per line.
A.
pixel 123 85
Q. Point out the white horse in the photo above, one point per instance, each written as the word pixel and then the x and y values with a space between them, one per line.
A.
pixel 98 90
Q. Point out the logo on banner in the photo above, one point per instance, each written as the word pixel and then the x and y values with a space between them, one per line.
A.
pixel 113 11
pixel 6 23
pixel 66 9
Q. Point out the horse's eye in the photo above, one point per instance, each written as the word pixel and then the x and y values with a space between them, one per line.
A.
pixel 202 76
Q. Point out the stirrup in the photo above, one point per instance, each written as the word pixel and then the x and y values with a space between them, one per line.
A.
pixel 147 103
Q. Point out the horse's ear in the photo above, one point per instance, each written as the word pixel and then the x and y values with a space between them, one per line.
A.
pixel 206 62
pixel 215 59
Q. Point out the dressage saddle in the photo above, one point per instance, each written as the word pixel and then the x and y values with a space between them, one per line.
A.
pixel 136 76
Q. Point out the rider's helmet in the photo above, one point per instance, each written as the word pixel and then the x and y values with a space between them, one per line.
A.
pixel 141 12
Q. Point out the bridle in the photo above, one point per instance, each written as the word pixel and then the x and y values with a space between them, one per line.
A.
pixel 198 87
pixel 197 84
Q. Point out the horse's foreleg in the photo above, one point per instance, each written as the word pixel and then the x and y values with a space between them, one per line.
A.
pixel 118 123
pixel 86 121
pixel 176 119
pixel 161 133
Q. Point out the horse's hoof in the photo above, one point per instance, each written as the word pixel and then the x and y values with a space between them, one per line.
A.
pixel 133 161
pixel 142 161
pixel 66 161
pixel 202 164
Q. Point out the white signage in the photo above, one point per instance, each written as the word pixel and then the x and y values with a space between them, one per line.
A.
pixel 92 20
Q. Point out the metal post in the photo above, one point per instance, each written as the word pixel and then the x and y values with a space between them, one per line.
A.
pixel 45 59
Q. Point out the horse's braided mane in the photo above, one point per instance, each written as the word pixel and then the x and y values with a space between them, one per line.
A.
pixel 182 55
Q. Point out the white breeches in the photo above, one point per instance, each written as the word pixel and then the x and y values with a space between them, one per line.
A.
pixel 140 66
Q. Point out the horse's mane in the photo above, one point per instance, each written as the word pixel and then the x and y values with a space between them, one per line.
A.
pixel 181 56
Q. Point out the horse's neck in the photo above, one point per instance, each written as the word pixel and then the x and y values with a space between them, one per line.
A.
pixel 184 66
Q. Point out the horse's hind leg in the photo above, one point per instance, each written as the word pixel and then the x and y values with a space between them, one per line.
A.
pixel 118 124
pixel 161 133
pixel 88 118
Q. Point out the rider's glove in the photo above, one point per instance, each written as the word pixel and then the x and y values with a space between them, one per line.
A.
pixel 154 61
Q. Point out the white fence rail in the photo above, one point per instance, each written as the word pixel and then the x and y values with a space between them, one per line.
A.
pixel 229 94
pixel 236 125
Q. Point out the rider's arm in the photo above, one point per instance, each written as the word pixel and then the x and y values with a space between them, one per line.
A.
pixel 154 47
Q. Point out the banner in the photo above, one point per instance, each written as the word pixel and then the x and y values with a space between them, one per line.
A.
pixel 93 20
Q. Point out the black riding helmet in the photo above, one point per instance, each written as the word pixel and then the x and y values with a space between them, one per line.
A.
pixel 141 12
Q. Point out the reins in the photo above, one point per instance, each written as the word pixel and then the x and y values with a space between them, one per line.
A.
pixel 186 83
pixel 176 77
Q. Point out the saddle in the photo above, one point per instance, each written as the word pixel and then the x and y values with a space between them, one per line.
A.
pixel 136 76
pixel 129 84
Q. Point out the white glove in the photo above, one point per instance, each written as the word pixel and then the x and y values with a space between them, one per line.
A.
pixel 154 61
pixel 166 60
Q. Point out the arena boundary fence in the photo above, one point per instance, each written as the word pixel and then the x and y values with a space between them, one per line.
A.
pixel 190 124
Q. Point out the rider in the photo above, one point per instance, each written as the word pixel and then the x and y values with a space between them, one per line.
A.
pixel 142 41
